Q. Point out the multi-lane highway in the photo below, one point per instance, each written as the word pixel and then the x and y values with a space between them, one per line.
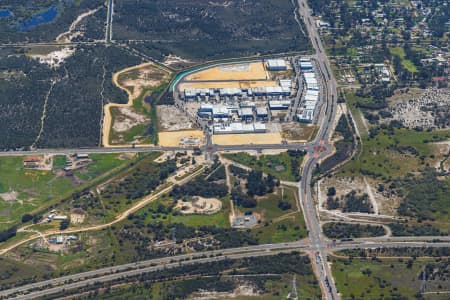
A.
pixel 317 244
pixel 326 119
pixel 48 287
pixel 292 146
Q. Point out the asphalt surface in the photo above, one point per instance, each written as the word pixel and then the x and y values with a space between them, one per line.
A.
pixel 326 118
pixel 31 291
pixel 317 245
pixel 290 146
pixel 225 253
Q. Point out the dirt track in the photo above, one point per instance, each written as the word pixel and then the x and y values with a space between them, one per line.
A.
pixel 107 120
pixel 146 200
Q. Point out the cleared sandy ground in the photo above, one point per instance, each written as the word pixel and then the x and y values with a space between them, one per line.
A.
pixel 298 133
pixel 227 84
pixel 172 118
pixel 172 138
pixel 127 118
pixel 247 139
pixel 199 205
pixel 240 71
pixel 107 119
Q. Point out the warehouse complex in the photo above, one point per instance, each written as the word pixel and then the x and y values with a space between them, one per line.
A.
pixel 311 98
pixel 248 97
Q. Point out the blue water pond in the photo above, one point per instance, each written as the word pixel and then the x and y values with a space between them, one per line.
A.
pixel 4 13
pixel 39 19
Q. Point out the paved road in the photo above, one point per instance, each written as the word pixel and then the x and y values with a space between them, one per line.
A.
pixel 109 21
pixel 326 118
pixel 132 269
pixel 318 244
pixel 140 204
pixel 249 251
pixel 291 146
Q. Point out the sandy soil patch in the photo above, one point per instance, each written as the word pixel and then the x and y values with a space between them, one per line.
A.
pixel 240 71
pixel 127 118
pixel 67 36
pixel 441 150
pixel 10 196
pixel 127 156
pixel 199 205
pixel 55 58
pixel 386 203
pixel 226 84
pixel 173 138
pixel 341 109
pixel 56 247
pixel 294 131
pixel 172 118
pixel 77 218
pixel 250 152
pixel 173 60
pixel 164 156
pixel 137 79
pixel 135 71
pixel 421 108
pixel 403 95
pixel 247 139
pixel 268 152
pixel 244 290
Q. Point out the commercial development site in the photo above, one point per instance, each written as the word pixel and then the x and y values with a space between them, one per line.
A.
pixel 208 166
pixel 251 98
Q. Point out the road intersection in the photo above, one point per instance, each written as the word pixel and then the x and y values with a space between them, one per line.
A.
pixel 33 290
pixel 317 245
pixel 326 119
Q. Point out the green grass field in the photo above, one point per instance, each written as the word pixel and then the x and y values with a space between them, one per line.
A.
pixel 407 64
pixel 267 206
pixel 136 131
pixel 381 155
pixel 36 189
pixel 290 228
pixel 353 103
pixel 12 271
pixel 279 166
pixel 388 278
pixel 219 219
pixel 278 225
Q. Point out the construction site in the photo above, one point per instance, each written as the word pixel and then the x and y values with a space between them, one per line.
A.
pixel 247 102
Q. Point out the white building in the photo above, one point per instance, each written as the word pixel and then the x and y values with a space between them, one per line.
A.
pixel 276 65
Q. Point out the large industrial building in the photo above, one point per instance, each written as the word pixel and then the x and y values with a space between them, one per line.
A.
pixel 282 90
pixel 311 97
pixel 238 128
pixel 243 105
pixel 276 65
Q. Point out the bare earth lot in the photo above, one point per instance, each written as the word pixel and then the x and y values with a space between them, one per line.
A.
pixel 135 81
pixel 386 204
pixel 297 132
pixel 173 138
pixel 199 205
pixel 172 119
pixel 243 71
pixel 421 108
pixel 127 118
pixel 247 139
